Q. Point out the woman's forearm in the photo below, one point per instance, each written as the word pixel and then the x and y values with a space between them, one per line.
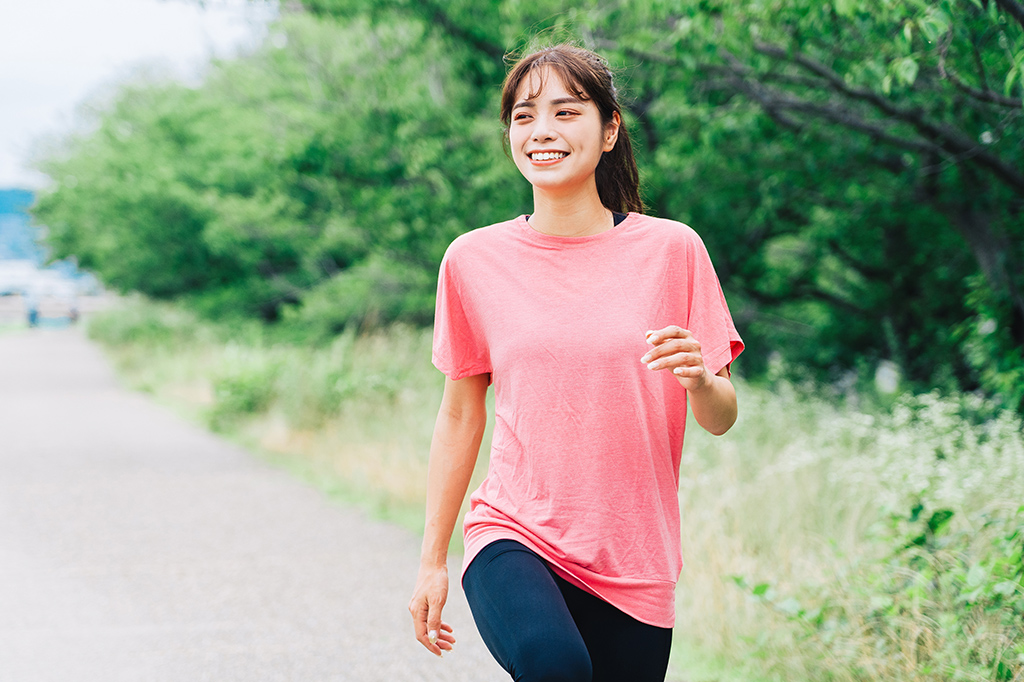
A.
pixel 714 404
pixel 453 453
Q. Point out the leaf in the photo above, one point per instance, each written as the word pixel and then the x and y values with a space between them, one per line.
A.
pixel 880 602
pixel 976 576
pixel 933 28
pixel 845 8
pixel 1005 588
pixel 971 597
pixel 939 520
pixel 906 70
pixel 789 606
pixel 759 590
pixel 1011 78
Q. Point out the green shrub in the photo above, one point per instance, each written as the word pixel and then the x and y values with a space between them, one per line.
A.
pixel 138 321
pixel 934 588
pixel 244 383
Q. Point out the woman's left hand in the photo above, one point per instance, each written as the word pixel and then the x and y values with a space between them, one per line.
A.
pixel 677 350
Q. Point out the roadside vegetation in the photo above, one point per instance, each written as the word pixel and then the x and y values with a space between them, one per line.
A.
pixel 827 536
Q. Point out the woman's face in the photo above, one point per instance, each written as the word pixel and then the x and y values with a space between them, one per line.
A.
pixel 556 138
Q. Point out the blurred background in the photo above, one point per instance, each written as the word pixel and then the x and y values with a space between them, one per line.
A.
pixel 259 195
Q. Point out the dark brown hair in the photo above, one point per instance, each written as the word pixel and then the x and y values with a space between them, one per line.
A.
pixel 588 77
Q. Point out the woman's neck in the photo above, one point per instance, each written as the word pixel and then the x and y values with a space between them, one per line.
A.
pixel 574 216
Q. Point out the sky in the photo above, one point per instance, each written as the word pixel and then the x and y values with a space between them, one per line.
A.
pixel 54 54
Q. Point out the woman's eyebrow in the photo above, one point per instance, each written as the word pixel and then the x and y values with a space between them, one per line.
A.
pixel 556 102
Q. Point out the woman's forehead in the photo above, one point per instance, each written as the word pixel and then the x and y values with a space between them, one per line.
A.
pixel 547 82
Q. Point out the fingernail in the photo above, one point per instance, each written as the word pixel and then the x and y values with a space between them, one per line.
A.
pixel 677 370
pixel 653 365
pixel 432 636
pixel 646 358
pixel 652 339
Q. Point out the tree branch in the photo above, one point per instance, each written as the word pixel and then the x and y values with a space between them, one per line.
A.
pixel 984 95
pixel 936 136
pixel 775 101
pixel 952 141
pixel 1014 9
pixel 869 271
pixel 436 13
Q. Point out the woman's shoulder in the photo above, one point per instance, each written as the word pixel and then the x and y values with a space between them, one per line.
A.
pixel 481 239
pixel 674 231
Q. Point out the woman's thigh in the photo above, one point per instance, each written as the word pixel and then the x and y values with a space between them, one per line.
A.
pixel 522 617
pixel 539 627
pixel 621 647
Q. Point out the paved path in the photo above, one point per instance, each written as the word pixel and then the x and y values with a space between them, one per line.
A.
pixel 136 547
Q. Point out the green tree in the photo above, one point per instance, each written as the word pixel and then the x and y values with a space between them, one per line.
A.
pixel 330 168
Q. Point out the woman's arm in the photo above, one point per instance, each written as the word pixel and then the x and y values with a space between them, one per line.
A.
pixel 712 396
pixel 453 453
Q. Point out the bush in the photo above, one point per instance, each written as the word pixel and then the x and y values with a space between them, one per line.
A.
pixel 932 585
pixel 138 321
pixel 244 383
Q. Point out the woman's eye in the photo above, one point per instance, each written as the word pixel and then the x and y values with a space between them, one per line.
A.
pixel 565 112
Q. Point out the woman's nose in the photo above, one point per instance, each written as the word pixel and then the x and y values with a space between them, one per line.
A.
pixel 542 131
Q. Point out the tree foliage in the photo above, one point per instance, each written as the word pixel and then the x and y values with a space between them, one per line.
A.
pixel 856 167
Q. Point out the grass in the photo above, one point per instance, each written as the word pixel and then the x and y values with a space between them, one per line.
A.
pixel 822 540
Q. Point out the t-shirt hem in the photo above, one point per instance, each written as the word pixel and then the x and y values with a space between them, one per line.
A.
pixel 462 373
pixel 474 547
pixel 724 356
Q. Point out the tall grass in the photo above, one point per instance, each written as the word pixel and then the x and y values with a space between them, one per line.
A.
pixel 826 543
pixel 822 541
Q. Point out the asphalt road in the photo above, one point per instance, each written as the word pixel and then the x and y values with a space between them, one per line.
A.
pixel 136 547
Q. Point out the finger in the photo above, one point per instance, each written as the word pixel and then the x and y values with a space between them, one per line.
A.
pixel 676 360
pixel 434 626
pixel 656 336
pixel 446 641
pixel 419 622
pixel 420 613
pixel 671 362
pixel 663 353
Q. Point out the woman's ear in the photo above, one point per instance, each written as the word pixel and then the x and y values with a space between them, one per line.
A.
pixel 611 132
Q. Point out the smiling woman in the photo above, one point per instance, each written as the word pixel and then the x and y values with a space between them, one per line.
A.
pixel 597 326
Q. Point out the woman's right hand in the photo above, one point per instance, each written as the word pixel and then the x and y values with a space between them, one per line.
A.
pixel 425 606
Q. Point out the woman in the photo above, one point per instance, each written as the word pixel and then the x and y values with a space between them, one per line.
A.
pixel 596 325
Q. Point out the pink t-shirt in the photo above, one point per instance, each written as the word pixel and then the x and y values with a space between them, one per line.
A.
pixel 584 465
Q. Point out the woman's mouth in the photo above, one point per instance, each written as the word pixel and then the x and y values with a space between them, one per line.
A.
pixel 548 156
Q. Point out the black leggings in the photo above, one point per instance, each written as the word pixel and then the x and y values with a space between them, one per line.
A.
pixel 541 628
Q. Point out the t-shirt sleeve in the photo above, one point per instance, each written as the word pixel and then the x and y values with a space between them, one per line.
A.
pixel 459 349
pixel 708 316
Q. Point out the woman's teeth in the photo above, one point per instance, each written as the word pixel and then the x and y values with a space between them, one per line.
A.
pixel 548 156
